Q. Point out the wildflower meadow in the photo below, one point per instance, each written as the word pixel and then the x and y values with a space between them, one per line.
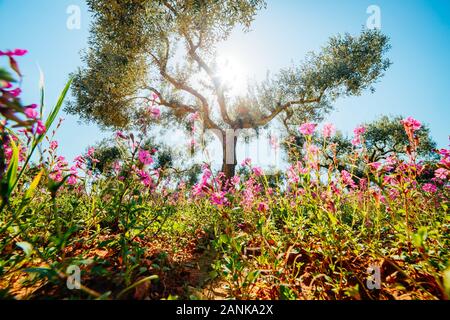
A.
pixel 363 217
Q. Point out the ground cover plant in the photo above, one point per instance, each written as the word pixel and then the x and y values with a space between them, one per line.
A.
pixel 359 217
pixel 311 232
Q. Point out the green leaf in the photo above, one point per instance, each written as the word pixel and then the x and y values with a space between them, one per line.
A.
pixel 420 237
pixel 33 185
pixel 54 186
pixel 51 118
pixel 26 247
pixel 11 173
pixel 42 90
pixel 42 272
pixel 6 76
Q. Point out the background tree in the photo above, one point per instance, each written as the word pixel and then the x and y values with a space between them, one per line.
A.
pixel 168 48
pixel 107 152
pixel 384 137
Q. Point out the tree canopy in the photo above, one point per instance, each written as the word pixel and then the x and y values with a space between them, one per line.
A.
pixel 383 137
pixel 168 49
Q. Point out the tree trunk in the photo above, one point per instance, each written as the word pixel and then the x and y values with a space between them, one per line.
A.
pixel 229 161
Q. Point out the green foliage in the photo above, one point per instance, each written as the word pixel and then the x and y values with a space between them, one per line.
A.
pixel 383 137
pixel 386 136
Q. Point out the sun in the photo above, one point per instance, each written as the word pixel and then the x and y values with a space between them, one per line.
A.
pixel 232 74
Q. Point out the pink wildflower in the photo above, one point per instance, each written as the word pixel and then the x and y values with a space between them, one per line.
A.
pixel 121 135
pixel 16 52
pixel 246 162
pixel 263 207
pixel 375 165
pixel 307 129
pixel 15 92
pixel 145 157
pixel 53 145
pixel 347 179
pixel 358 131
pixel 429 187
pixel 31 113
pixel 40 127
pixel 218 198
pixel 155 112
pixel 257 171
pixel 235 180
pixel 441 173
pixel 90 152
pixel 328 130
pixel 411 124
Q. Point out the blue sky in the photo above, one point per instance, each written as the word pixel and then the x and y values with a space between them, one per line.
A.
pixel 416 85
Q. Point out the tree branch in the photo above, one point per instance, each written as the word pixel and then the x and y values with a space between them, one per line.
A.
pixel 263 121
pixel 217 84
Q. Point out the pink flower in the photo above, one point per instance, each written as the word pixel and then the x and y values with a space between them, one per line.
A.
pixel 347 178
pixel 16 52
pixel 154 97
pixel 145 178
pixel 441 173
pixel 246 162
pixel 31 113
pixel 56 176
pixel 445 161
pixel 16 92
pixel 411 123
pixel 307 129
pixel 358 131
pixel 155 112
pixel 117 167
pixel 390 179
pixel 40 127
pixel 394 194
pixel 218 198
pixel 445 153
pixel 313 149
pixel 263 207
pixel 53 145
pixel 375 165
pixel 258 171
pixel 356 141
pixel 120 134
pixel 90 152
pixel 79 161
pixel 328 130
pixel 235 180
pixel 145 158
pixel 429 187
pixel 72 180
pixel 62 161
